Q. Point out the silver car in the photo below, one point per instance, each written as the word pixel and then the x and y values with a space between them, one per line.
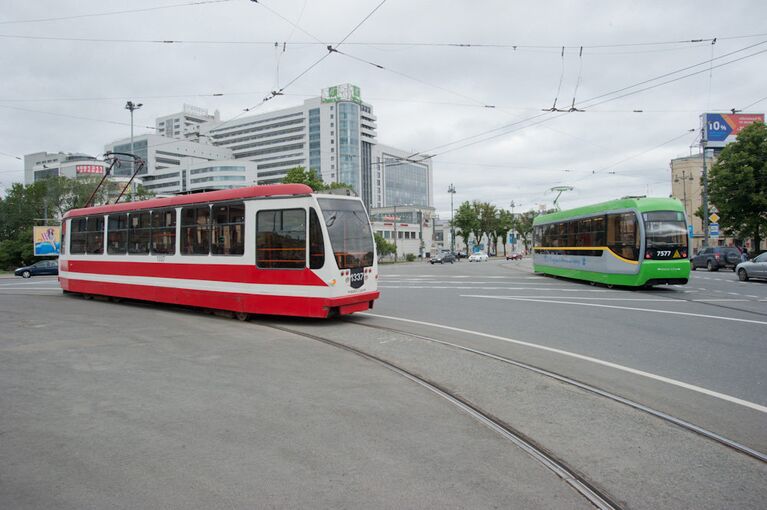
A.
pixel 754 268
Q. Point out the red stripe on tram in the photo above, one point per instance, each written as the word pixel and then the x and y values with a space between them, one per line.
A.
pixel 248 303
pixel 237 273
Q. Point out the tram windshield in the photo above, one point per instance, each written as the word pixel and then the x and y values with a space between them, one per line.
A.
pixel 666 235
pixel 349 231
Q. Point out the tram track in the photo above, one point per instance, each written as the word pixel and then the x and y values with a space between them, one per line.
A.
pixel 688 426
pixel 569 475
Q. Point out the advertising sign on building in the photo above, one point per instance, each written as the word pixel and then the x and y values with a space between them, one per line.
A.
pixel 47 240
pixel 89 169
pixel 719 129
pixel 345 92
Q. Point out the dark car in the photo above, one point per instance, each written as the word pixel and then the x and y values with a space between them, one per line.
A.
pixel 443 257
pixel 714 258
pixel 754 268
pixel 460 255
pixel 514 256
pixel 39 268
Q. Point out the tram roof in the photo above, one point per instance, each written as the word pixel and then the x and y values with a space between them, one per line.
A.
pixel 269 190
pixel 642 204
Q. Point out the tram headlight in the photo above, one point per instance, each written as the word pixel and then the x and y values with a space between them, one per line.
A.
pixel 332 282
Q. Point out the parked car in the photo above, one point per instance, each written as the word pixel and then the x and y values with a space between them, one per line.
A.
pixel 39 268
pixel 715 258
pixel 754 268
pixel 442 257
pixel 479 256
pixel 460 255
pixel 514 256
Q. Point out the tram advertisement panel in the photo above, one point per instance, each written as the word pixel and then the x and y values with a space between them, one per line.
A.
pixel 47 240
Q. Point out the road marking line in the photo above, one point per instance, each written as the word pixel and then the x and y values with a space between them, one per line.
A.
pixel 456 287
pixel 650 310
pixel 751 295
pixel 649 375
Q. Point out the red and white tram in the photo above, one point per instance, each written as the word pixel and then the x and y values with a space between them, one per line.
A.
pixel 277 249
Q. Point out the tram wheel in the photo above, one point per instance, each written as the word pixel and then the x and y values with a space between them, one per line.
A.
pixel 241 316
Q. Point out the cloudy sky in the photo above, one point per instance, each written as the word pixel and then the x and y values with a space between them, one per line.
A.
pixel 69 66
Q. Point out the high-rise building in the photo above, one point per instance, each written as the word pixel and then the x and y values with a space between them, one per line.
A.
pixel 184 124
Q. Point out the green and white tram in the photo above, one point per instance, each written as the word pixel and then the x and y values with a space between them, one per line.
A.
pixel 634 241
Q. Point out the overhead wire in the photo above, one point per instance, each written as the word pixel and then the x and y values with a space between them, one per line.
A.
pixel 90 119
pixel 113 13
pixel 504 129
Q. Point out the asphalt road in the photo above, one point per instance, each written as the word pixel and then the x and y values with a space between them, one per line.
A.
pixel 708 334
pixel 131 405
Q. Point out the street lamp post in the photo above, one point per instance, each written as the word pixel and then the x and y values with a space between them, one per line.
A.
pixel 131 106
pixel 513 231
pixel 451 190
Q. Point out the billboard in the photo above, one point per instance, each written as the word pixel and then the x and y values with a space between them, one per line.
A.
pixel 719 129
pixel 89 169
pixel 47 240
pixel 345 92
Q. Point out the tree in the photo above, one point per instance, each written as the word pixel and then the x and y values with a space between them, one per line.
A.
pixel 504 224
pixel 466 220
pixel 523 224
pixel 488 225
pixel 737 184
pixel 383 247
pixel 299 175
pixel 48 199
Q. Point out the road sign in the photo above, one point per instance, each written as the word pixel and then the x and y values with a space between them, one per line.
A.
pixel 712 208
pixel 713 229
pixel 689 230
pixel 714 218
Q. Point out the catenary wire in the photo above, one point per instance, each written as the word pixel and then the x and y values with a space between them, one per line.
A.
pixel 113 13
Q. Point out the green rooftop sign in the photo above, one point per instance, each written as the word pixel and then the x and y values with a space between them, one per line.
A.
pixel 345 92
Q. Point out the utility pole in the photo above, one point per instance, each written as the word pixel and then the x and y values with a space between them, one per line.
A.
pixel 451 190
pixel 131 106
pixel 395 233
pixel 705 189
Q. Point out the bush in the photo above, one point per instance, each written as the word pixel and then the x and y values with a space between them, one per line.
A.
pixel 410 257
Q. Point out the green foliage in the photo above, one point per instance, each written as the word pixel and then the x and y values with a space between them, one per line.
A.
pixel 383 247
pixel 738 184
pixel 26 206
pixel 504 223
pixel 300 175
pixel 466 220
pixel 523 225
pixel 410 257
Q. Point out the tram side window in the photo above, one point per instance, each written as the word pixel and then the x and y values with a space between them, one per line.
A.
pixel 139 233
pixel 78 236
pixel 228 226
pixel 316 241
pixel 164 231
pixel 622 235
pixel 94 243
pixel 598 231
pixel 117 234
pixel 281 239
pixel 195 230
